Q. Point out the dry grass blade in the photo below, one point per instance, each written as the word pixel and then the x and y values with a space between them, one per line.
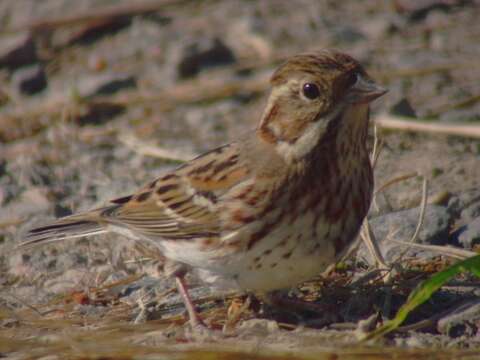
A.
pixel 421 218
pixel 401 123
pixel 366 232
pixel 152 150
pixel 26 304
pixel 370 241
pixel 422 71
pixel 443 250
pixel 377 147
pixel 234 313
pixel 395 180
pixel 96 15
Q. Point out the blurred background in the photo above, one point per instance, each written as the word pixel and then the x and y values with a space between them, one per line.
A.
pixel 98 97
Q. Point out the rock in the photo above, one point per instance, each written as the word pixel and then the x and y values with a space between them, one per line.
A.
pixel 434 230
pixel 401 226
pixel 31 262
pixel 32 201
pixel 30 80
pixel 403 108
pixel 67 281
pixel 471 212
pixel 463 321
pixel 465 205
pixel 417 10
pixel 203 54
pixel 468 235
pixel 347 34
pixel 105 84
pixel 98 29
pixel 99 113
pixel 61 211
pixel 17 51
pixel 258 327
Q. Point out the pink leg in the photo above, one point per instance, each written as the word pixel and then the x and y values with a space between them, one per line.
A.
pixel 195 320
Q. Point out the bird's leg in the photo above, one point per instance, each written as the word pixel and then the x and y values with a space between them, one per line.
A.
pixel 195 320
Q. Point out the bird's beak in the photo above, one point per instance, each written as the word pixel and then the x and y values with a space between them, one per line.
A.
pixel 364 91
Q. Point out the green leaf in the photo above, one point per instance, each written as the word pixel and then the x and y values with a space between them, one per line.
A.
pixel 424 291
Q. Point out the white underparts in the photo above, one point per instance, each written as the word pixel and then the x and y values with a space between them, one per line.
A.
pixel 309 139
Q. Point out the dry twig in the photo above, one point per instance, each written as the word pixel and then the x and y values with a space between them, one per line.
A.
pixel 402 123
pixel 153 150
pixel 421 218
pixel 456 253
pixel 95 15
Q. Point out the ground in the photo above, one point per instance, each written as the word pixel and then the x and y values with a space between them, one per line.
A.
pixel 98 98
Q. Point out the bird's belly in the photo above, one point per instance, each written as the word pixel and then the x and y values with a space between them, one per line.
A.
pixel 292 253
pixel 279 274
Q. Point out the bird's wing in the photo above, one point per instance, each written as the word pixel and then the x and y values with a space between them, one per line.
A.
pixel 182 204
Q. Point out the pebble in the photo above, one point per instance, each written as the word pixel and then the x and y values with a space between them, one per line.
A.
pixel 202 54
pixel 105 84
pixel 403 108
pixel 401 226
pixel 468 235
pixel 29 203
pixel 17 51
pixel 30 80
pixel 463 321
pixel 347 34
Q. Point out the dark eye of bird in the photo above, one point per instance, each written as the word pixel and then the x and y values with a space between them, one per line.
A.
pixel 310 91
pixel 351 79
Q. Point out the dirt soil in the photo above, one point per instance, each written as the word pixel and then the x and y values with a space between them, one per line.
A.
pixel 98 98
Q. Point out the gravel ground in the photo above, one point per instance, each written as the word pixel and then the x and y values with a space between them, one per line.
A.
pixel 79 94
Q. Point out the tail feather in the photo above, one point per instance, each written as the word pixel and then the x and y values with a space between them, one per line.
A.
pixel 67 228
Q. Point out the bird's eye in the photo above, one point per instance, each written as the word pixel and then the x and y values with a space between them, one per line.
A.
pixel 310 91
pixel 351 79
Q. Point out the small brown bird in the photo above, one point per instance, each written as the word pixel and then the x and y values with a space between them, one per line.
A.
pixel 270 210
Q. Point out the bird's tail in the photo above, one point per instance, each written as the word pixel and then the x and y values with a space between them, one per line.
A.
pixel 69 227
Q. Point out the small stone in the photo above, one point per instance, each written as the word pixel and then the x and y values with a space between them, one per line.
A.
pixel 99 113
pixel 347 34
pixel 203 54
pixel 461 202
pixel 471 212
pixel 401 226
pixel 105 84
pixel 403 108
pixel 258 327
pixel 30 80
pixel 468 236
pixel 417 10
pixel 17 51
pixel 97 63
pixel 462 321
pixel 31 201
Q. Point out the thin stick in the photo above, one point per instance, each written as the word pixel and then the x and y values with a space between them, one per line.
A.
pixel 401 123
pixel 370 241
pixel 444 250
pixel 421 219
pixel 366 232
pixel 155 151
pixel 395 180
pixel 96 15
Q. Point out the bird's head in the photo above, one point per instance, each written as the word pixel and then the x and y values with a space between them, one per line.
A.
pixel 312 93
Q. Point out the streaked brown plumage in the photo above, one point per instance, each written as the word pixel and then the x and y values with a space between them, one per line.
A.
pixel 275 207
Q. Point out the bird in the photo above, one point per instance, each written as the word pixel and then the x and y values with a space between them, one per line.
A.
pixel 273 208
